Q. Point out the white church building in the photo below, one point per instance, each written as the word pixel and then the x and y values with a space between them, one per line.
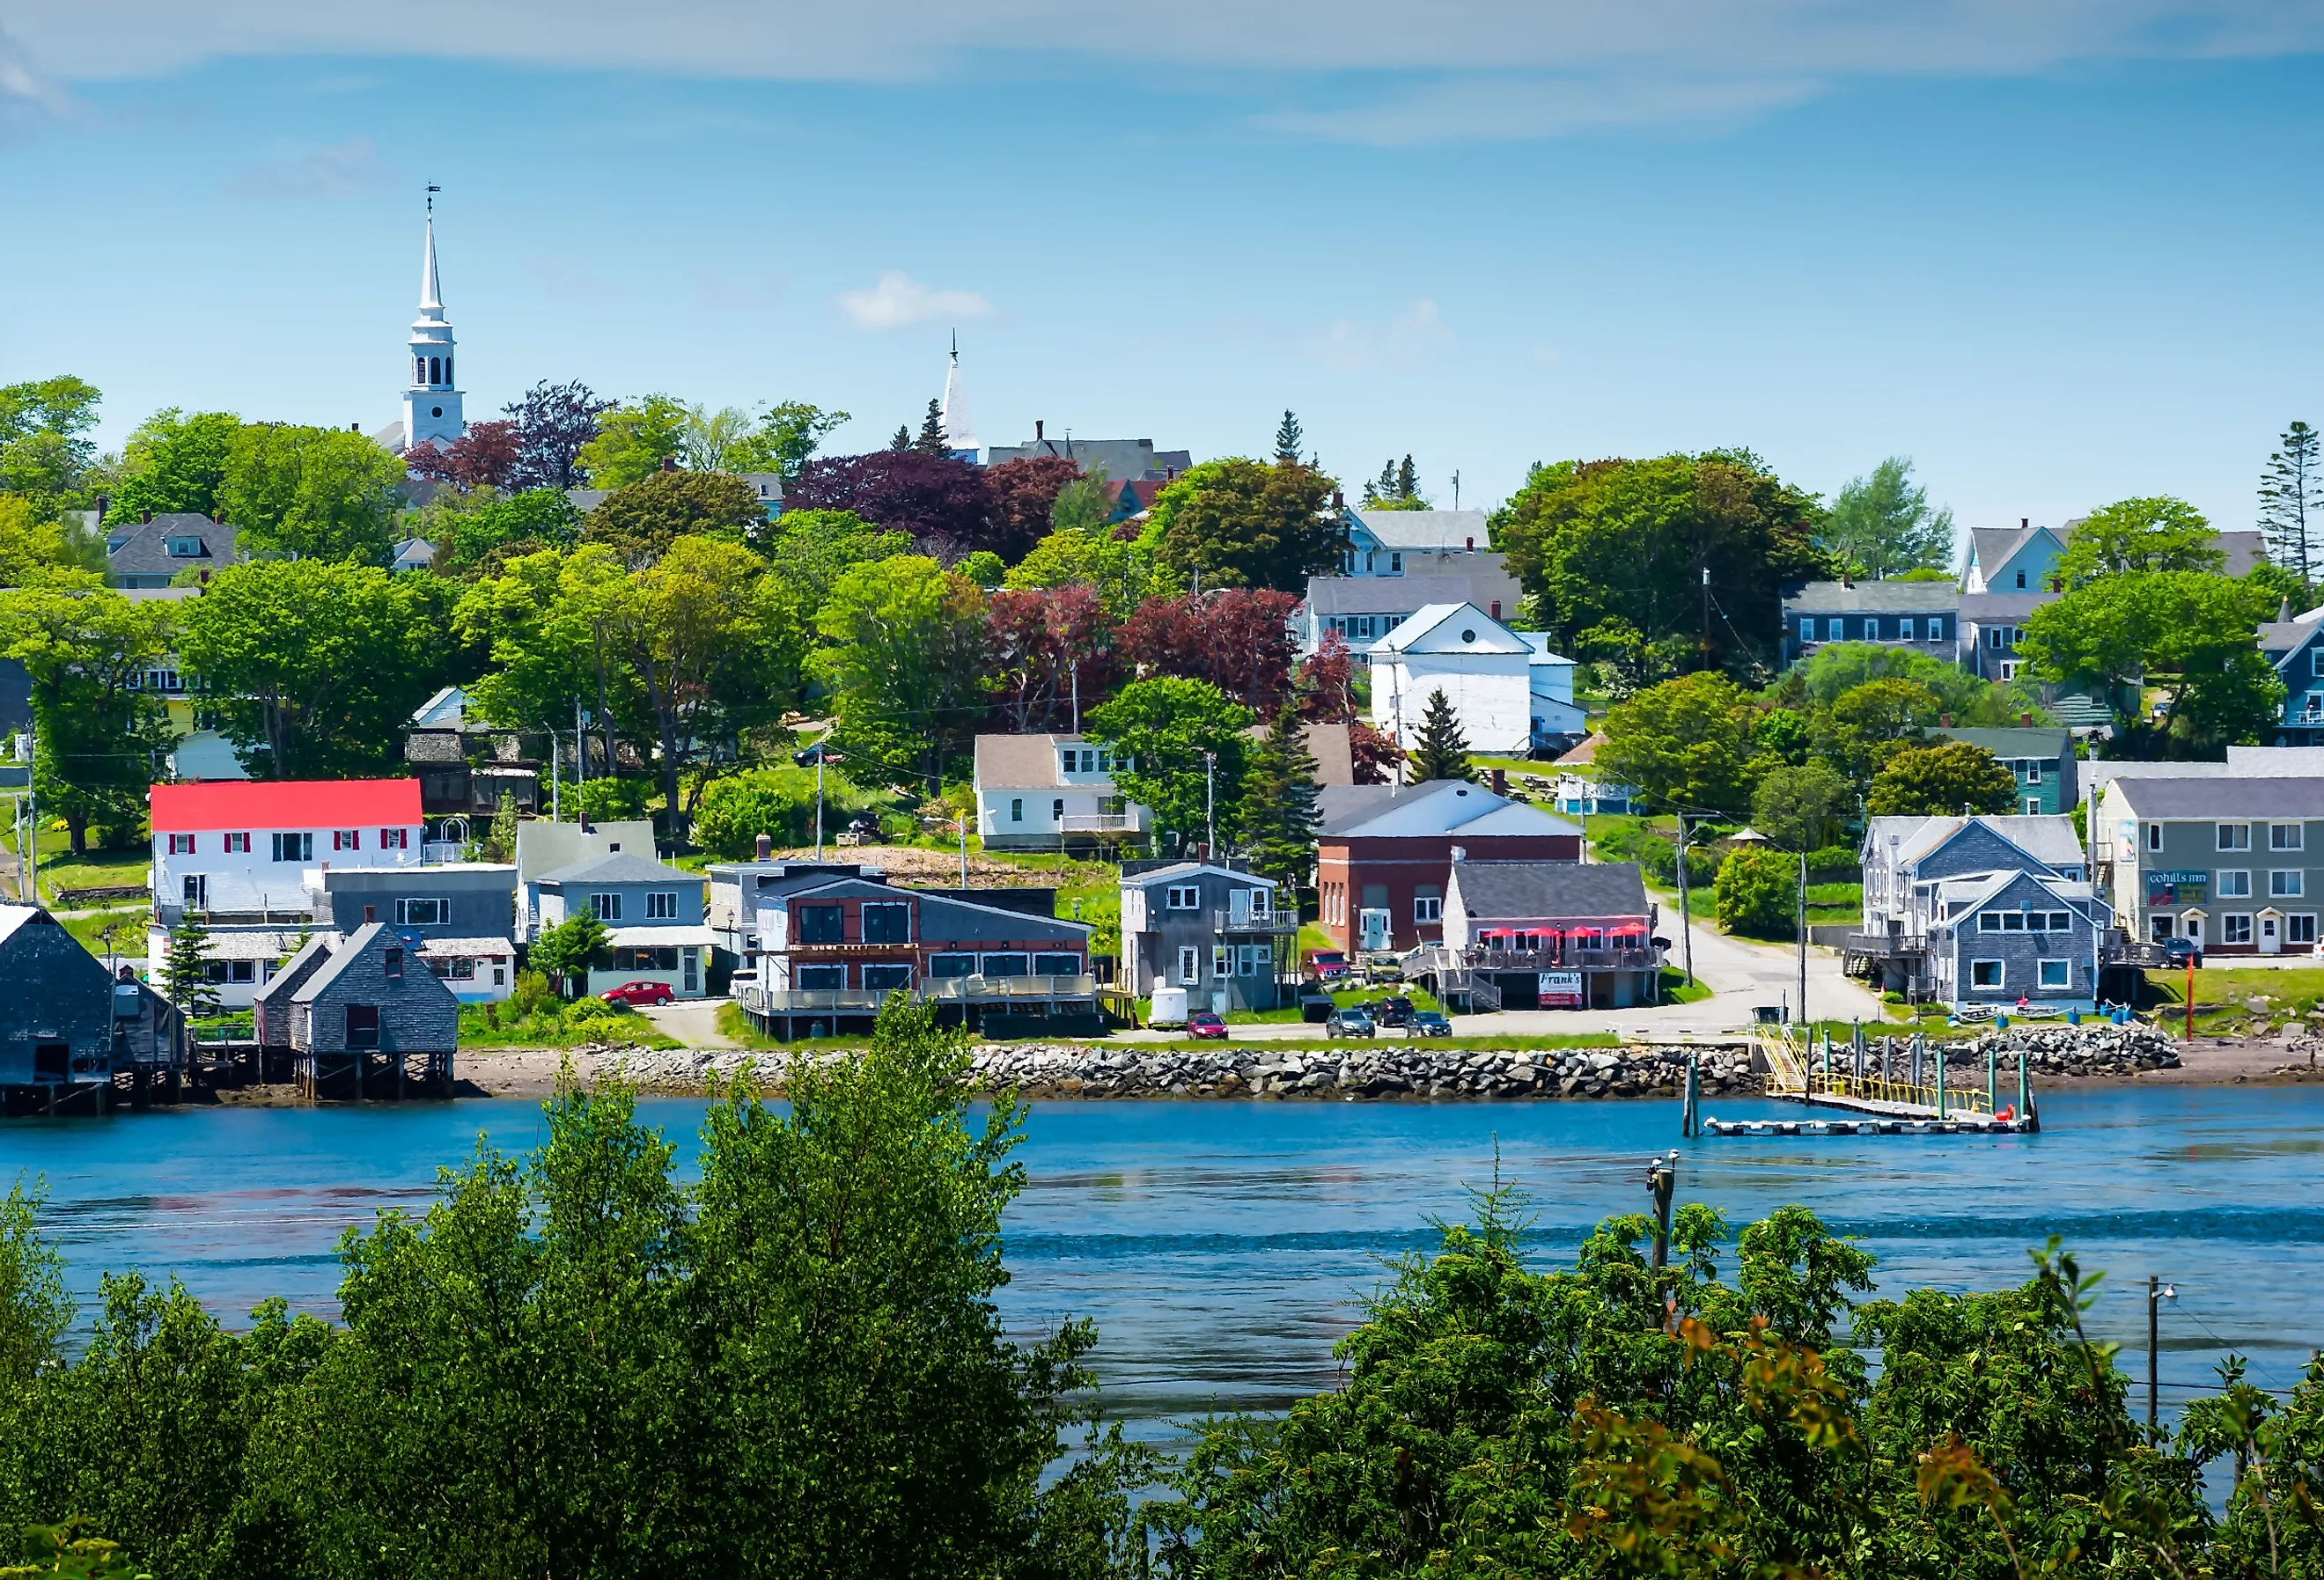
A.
pixel 431 399
pixel 1511 693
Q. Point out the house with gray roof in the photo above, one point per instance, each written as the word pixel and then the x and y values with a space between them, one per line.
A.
pixel 1924 616
pixel 1906 861
pixel 2023 559
pixel 2020 939
pixel 1044 791
pixel 653 913
pixel 1226 937
pixel 2295 648
pixel 1394 542
pixel 344 1006
pixel 68 1024
pixel 154 550
pixel 1362 609
pixel 1123 460
pixel 1555 934
pixel 2234 863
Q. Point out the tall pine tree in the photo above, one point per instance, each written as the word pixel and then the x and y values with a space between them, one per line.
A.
pixel 2291 503
pixel 1288 439
pixel 903 440
pixel 1407 480
pixel 1280 819
pixel 1442 752
pixel 186 971
pixel 932 440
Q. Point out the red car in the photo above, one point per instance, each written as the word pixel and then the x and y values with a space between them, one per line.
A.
pixel 1203 1023
pixel 638 993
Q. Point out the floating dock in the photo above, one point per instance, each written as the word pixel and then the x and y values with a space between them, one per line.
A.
pixel 1884 1101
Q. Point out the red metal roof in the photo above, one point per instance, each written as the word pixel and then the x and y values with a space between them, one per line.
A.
pixel 289 803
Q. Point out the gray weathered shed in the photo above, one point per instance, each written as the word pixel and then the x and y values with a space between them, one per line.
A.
pixel 339 1006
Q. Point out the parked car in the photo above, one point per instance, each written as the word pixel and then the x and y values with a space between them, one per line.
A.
pixel 1327 966
pixel 1350 1022
pixel 1203 1023
pixel 2180 951
pixel 1427 1023
pixel 638 993
pixel 1396 1011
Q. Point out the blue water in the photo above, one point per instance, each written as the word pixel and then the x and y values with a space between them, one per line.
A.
pixel 1223 1247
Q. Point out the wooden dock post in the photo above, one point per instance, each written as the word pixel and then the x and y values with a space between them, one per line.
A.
pixel 1939 1055
pixel 1992 1091
pixel 1687 1122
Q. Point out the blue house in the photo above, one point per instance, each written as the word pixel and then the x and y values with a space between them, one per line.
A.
pixel 2294 648
pixel 2012 559
pixel 1393 542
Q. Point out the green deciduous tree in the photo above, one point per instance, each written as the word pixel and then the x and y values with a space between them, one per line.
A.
pixel 1243 523
pixel 641 520
pixel 1869 724
pixel 1187 749
pixel 1279 817
pixel 813 548
pixel 2291 503
pixel 1940 781
pixel 100 734
pixel 634 441
pixel 1757 891
pixel 739 808
pixel 787 435
pixel 1633 540
pixel 567 949
pixel 2132 535
pixel 904 666
pixel 1126 572
pixel 44 445
pixel 174 461
pixel 1883 525
pixel 1440 751
pixel 312 668
pixel 2185 631
pixel 313 493
pixel 35 548
pixel 711 441
pixel 1690 743
pixel 1803 808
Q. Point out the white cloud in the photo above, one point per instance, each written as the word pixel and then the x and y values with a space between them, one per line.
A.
pixel 321 175
pixel 1362 345
pixel 1371 70
pixel 26 97
pixel 898 300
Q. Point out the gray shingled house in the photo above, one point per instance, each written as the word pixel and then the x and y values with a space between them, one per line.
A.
pixel 1220 934
pixel 69 1026
pixel 342 1008
pixel 460 916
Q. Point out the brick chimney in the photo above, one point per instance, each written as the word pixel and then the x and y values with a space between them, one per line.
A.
pixel 1039 429
pixel 1472 545
pixel 1500 781
pixel 1339 500
pixel 144 515
pixel 354 428
pixel 766 847
pixel 1944 721
pixel 670 462
pixel 2026 719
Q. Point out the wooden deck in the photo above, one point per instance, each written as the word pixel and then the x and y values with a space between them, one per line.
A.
pixel 1890 1090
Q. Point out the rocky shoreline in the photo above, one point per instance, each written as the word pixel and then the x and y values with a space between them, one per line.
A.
pixel 1404 1071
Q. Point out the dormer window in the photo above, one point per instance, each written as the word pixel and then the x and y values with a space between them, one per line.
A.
pixel 184 548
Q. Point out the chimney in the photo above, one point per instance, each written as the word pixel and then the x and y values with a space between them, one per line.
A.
pixel 1472 545
pixel 1339 500
pixel 2026 720
pixel 670 462
pixel 144 515
pixel 2023 523
pixel 1497 609
pixel 766 848
pixel 1039 428
pixel 1500 781
pixel 1944 721
pixel 354 428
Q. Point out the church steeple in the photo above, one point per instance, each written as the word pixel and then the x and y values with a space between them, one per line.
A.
pixel 432 401
pixel 960 428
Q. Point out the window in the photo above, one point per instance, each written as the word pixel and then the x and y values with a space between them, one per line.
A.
pixel 948 966
pixel 294 847
pixel 1906 626
pixel 1056 964
pixel 2057 973
pixel 2021 579
pixel 237 845
pixel 183 547
pixel 2034 772
pixel 647 957
pixel 1011 964
pixel 886 978
pixel 234 970
pixel 2032 806
pixel 2155 837
pixel 1836 629
pixel 1993 638
pixel 822 924
pixel 2158 927
pixel 2234 884
pixel 391 963
pixel 1184 897
pixel 2301 928
pixel 2235 837
pixel 422 912
pixel 1190 964
pixel 1936 628
pixel 197 891
pixel 2009 669
pixel 346 839
pixel 1057 810
pixel 395 839
pixel 606 907
pixel 418 370
pixel 2001 921
pixel 661 905
pixel 2283 835
pixel 181 845
pixel 1395 565
pixel 1017 810
pixel 812 978
pixel 362 1026
pixel 888 922
pixel 1427 908
pixel 2316 660
pixel 1259 903
pixel 2235 929
pixel 1984 976
pixel 1222 960
pixel 2287 884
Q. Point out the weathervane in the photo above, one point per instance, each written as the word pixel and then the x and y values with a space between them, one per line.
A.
pixel 432 189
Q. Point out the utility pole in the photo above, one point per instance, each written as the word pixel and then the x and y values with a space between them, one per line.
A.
pixel 1685 915
pixel 1662 1185
pixel 2157 1292
pixel 818 800
pixel 1803 937
pixel 963 820
pixel 580 762
pixel 1210 807
pixel 1706 616
pixel 553 817
pixel 32 814
pixel 1074 668
pixel 1456 491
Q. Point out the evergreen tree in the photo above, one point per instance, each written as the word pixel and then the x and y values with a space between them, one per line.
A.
pixel 186 971
pixel 499 839
pixel 2291 503
pixel 1381 489
pixel 903 440
pixel 1280 819
pixel 1288 439
pixel 1407 480
pixel 932 440
pixel 1441 751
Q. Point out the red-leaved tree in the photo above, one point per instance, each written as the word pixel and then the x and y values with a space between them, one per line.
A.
pixel 1238 639
pixel 1048 645
pixel 943 503
pixel 1375 756
pixel 1024 491
pixel 485 456
pixel 1327 689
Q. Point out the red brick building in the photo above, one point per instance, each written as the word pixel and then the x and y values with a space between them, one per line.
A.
pixel 1386 854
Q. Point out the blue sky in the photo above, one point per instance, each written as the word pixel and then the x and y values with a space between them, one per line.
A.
pixel 2057 253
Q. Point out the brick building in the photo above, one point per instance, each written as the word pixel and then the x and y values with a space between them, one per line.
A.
pixel 1386 853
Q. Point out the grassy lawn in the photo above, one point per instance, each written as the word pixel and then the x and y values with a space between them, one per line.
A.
pixel 2223 997
pixel 551 1025
pixel 127 925
pixel 100 869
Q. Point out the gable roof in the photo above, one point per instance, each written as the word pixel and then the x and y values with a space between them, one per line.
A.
pixel 1984 608
pixel 1178 869
pixel 619 867
pixel 2223 798
pixel 2014 742
pixel 1461 531
pixel 371 935
pixel 1990 549
pixel 543 846
pixel 1400 594
pixel 2047 840
pixel 284 803
pixel 292 974
pixel 1425 811
pixel 1972 891
pixel 144 546
pixel 1025 762
pixel 1875 598
pixel 2281 640
pixel 1491 636
pixel 1490 890
pixel 1329 745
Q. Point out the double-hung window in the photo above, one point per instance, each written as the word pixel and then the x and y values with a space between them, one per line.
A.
pixel 395 839
pixel 2235 837
pixel 2155 837
pixel 661 905
pixel 2235 883
pixel 1190 965
pixel 2287 884
pixel 237 845
pixel 2235 929
pixel 2283 835
pixel 181 845
pixel 1905 627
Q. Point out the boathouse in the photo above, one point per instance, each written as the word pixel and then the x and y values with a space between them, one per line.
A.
pixel 355 1013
